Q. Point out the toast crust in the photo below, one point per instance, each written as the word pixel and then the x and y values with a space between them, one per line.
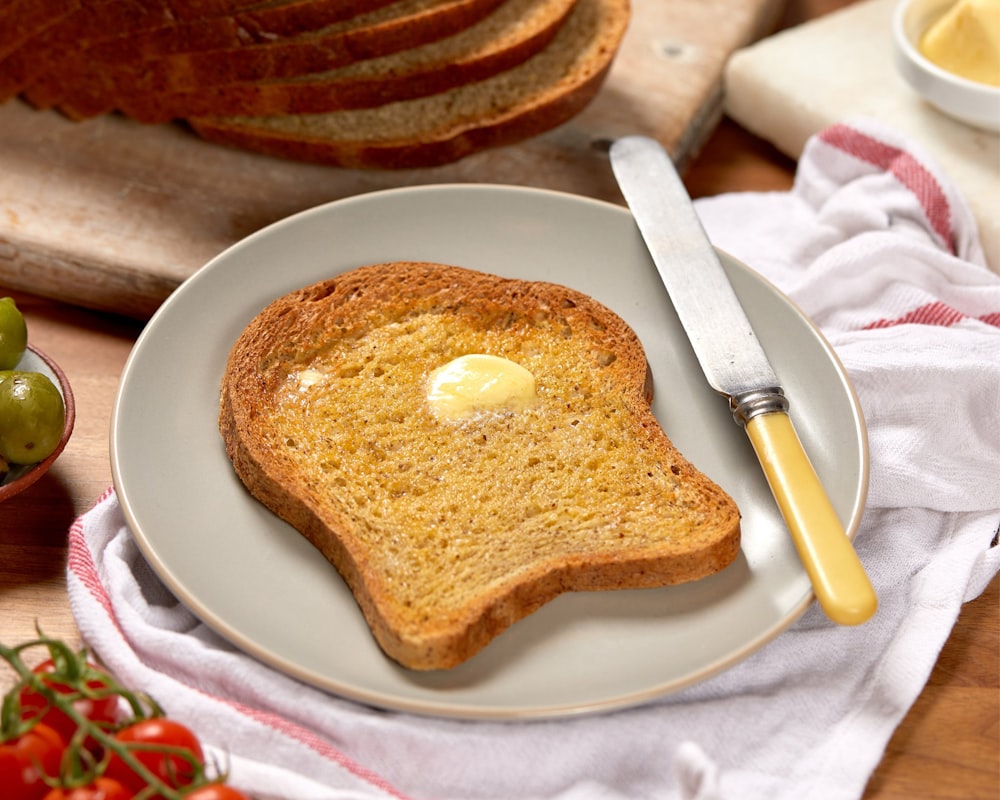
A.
pixel 449 532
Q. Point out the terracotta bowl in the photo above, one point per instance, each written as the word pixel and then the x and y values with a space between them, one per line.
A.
pixel 21 477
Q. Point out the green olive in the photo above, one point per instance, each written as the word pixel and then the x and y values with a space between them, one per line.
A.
pixel 13 333
pixel 32 416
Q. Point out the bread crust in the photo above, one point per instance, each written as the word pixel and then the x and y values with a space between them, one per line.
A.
pixel 698 532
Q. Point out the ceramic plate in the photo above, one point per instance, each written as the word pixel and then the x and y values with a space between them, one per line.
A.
pixel 262 586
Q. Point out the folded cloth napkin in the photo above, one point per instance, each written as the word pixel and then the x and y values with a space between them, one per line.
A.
pixel 875 245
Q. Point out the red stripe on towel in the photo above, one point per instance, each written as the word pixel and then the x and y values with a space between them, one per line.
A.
pixel 936 313
pixel 907 170
pixel 81 563
pixel 933 201
pixel 315 743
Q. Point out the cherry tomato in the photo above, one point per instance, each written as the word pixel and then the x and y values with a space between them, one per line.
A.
pixel 173 769
pixel 216 791
pixel 25 760
pixel 102 710
pixel 100 789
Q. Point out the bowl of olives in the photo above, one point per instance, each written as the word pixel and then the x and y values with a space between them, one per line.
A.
pixel 37 411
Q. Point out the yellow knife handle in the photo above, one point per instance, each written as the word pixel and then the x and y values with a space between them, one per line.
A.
pixel 839 580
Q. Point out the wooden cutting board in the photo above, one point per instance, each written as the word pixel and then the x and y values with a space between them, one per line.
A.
pixel 784 89
pixel 113 215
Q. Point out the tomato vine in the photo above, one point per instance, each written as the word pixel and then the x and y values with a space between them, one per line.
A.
pixel 68 729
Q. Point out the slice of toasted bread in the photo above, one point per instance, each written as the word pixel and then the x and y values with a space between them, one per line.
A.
pixel 450 530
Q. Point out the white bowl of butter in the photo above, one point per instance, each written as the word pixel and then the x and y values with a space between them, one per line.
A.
pixel 949 52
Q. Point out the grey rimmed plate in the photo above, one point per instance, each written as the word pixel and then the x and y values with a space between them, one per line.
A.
pixel 261 586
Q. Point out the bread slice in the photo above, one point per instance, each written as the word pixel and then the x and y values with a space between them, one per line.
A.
pixel 543 92
pixel 507 37
pixel 447 531
pixel 389 29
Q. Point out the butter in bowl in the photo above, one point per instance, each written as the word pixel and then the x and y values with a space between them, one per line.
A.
pixel 949 52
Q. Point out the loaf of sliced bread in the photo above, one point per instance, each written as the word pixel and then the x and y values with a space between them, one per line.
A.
pixel 397 26
pixel 507 37
pixel 539 94
pixel 389 84
pixel 450 529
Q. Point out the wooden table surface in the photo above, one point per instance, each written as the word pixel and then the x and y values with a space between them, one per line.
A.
pixel 947 747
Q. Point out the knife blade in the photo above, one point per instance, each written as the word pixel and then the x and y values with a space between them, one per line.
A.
pixel 736 366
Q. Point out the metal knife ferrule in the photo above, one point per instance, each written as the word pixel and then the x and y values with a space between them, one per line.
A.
pixel 746 405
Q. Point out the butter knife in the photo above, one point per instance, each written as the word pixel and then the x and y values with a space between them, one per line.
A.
pixel 736 366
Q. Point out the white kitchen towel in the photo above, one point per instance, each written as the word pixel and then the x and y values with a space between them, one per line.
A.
pixel 874 244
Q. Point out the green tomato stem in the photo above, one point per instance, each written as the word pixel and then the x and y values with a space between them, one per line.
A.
pixel 72 670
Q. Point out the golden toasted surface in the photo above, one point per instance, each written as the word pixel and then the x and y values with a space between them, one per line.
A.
pixel 449 530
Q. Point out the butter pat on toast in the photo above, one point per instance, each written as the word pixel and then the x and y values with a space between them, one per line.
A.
pixel 450 528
